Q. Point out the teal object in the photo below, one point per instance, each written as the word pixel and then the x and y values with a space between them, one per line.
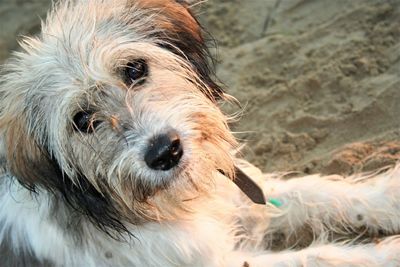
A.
pixel 276 202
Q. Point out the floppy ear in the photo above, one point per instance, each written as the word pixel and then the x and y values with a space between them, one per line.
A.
pixel 180 32
pixel 34 167
pixel 25 160
pixel 173 16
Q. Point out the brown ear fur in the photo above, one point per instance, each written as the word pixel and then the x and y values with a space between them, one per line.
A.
pixel 25 159
pixel 34 167
pixel 178 16
pixel 182 34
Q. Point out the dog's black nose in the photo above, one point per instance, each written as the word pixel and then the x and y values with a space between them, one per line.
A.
pixel 164 151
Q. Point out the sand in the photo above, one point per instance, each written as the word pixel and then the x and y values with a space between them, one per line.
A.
pixel 319 81
pixel 320 85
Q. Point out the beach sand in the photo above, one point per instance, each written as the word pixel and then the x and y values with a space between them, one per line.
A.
pixel 319 81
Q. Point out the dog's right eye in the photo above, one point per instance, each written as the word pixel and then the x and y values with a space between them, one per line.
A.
pixel 83 122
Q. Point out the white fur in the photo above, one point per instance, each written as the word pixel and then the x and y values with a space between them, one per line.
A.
pixel 207 240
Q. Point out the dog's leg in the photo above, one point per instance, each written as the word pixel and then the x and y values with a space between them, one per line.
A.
pixel 385 254
pixel 336 204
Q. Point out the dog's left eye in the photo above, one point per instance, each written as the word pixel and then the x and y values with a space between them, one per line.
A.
pixel 136 71
pixel 83 122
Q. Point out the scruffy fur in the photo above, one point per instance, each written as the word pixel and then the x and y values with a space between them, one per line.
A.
pixel 73 198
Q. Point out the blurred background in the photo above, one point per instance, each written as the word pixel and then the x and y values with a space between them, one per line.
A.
pixel 319 80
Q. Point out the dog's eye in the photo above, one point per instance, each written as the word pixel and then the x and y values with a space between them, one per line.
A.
pixel 83 122
pixel 136 71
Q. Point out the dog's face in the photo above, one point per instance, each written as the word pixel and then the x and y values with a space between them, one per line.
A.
pixel 114 109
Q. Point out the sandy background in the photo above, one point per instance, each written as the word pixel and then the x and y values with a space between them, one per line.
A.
pixel 319 80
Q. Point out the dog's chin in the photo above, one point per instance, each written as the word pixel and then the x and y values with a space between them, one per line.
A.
pixel 198 175
pixel 189 177
pixel 195 171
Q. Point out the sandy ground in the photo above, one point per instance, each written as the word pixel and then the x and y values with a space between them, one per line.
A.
pixel 319 80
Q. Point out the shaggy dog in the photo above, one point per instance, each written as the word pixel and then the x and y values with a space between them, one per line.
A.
pixel 115 153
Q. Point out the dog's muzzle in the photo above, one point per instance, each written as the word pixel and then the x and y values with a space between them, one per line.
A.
pixel 164 151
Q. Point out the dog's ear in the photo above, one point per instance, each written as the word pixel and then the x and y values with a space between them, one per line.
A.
pixel 24 158
pixel 173 17
pixel 34 166
pixel 180 32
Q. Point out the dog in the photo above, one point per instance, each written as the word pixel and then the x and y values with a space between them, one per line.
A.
pixel 115 152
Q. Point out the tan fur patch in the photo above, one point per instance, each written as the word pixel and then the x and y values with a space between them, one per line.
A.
pixel 173 12
pixel 21 150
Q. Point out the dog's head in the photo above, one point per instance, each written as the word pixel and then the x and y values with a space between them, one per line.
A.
pixel 113 109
